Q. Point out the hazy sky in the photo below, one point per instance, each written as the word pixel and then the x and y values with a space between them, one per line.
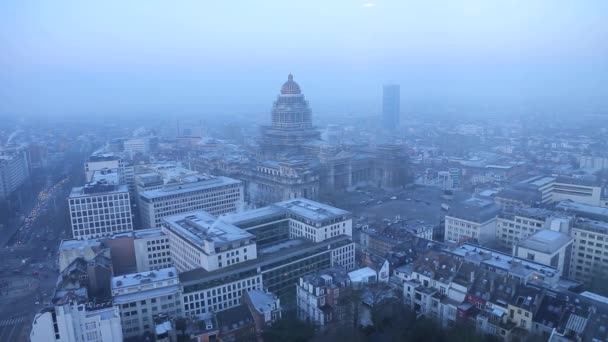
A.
pixel 188 57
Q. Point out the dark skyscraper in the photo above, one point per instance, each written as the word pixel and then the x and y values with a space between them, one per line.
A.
pixel 391 103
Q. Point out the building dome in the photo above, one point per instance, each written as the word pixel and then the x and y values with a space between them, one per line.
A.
pixel 290 87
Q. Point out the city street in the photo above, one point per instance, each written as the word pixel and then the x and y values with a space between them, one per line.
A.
pixel 29 271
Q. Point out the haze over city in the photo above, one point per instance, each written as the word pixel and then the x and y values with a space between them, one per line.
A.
pixel 291 171
pixel 117 59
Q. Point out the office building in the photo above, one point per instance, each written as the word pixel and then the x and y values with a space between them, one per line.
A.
pixel 590 249
pixel 472 220
pixel 198 239
pixel 137 145
pixel 151 250
pixel 215 195
pixel 518 224
pixel 142 296
pixel 296 237
pixel 556 189
pixel 14 171
pixel 547 247
pixel 593 163
pixel 391 106
pixel 101 207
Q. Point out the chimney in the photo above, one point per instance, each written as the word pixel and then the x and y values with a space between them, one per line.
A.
pixel 472 276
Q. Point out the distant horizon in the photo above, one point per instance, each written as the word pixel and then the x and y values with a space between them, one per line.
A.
pixel 111 59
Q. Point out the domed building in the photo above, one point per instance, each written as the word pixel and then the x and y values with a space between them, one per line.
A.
pixel 291 125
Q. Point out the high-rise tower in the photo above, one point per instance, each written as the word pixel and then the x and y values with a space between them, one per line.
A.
pixel 391 105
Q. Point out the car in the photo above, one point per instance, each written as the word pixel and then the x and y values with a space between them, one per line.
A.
pixel 379 202
pixel 394 197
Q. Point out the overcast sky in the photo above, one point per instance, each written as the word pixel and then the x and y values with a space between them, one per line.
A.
pixel 188 57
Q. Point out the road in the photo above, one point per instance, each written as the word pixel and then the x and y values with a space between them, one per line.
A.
pixel 32 282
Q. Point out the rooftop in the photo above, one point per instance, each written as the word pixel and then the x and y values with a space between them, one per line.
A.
pixel 262 301
pixel 201 183
pixel 581 209
pixel 200 226
pixel 592 225
pixel 135 279
pixel 65 245
pixel 517 266
pixel 474 210
pixel 546 241
pixel 106 175
pixel 98 188
pixel 361 275
pixel 311 210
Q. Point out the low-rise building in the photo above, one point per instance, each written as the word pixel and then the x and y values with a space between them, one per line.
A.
pixel 472 220
pixel 546 247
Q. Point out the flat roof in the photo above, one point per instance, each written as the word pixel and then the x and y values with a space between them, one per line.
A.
pixel 184 188
pixel 254 214
pixel 77 244
pixel 134 279
pixel 595 297
pixel 312 210
pixel 361 274
pixel 107 176
pixel 151 293
pixel 108 189
pixel 199 226
pixel 546 241
pixel 592 225
pixel 147 233
pixel 262 301
pixel 474 210
pixel 582 209
pixel 502 260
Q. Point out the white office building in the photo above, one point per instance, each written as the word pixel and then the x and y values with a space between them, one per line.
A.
pixel 547 247
pixel 198 239
pixel 519 224
pixel 151 249
pixel 100 208
pixel 137 145
pixel 142 296
pixel 472 220
pixel 77 323
pixel 590 249
pixel 215 195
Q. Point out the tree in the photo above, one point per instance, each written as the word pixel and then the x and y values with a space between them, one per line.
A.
pixel 289 329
